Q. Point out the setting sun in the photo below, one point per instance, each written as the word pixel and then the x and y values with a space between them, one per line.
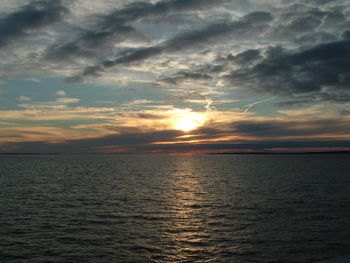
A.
pixel 189 122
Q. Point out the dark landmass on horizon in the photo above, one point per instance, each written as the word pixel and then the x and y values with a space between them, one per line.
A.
pixel 274 153
pixel 225 153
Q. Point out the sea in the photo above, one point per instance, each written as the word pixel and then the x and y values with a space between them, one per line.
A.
pixel 286 208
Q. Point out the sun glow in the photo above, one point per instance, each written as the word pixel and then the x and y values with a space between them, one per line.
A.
pixel 189 122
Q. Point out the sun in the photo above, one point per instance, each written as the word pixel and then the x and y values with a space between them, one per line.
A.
pixel 189 122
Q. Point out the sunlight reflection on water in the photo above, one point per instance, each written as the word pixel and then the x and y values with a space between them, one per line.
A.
pixel 188 228
pixel 210 208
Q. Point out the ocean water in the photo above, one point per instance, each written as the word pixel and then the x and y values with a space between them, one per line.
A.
pixel 154 208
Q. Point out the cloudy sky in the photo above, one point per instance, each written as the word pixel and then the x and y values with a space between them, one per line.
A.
pixel 174 76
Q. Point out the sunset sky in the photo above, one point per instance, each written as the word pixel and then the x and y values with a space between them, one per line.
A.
pixel 174 76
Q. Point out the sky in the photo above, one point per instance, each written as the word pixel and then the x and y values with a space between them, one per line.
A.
pixel 174 76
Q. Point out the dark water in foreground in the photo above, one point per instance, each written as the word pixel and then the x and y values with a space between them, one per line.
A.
pixel 208 208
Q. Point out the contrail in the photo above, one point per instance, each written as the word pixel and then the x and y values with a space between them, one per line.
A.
pixel 248 106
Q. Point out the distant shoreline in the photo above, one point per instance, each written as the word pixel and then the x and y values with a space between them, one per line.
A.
pixel 223 153
pixel 274 153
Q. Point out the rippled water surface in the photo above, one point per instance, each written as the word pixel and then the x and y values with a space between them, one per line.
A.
pixel 204 208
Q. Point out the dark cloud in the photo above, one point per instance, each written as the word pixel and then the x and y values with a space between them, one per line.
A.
pixel 90 44
pixel 321 70
pixel 267 133
pixel 116 26
pixel 309 25
pixel 208 72
pixel 247 27
pixel 33 16
pixel 251 146
pixel 300 23
pixel 166 6
pixel 318 2
pixel 277 128
pixel 125 57
pixel 345 112
pixel 291 128
pixel 148 116
pixel 245 58
pixel 92 71
pixel 181 76
pixel 346 34
pixel 142 142
pixel 317 37
pixel 130 139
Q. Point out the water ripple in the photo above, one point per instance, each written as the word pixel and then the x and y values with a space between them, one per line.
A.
pixel 174 208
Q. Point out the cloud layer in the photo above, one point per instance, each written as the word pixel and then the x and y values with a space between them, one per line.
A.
pixel 29 18
pixel 116 76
